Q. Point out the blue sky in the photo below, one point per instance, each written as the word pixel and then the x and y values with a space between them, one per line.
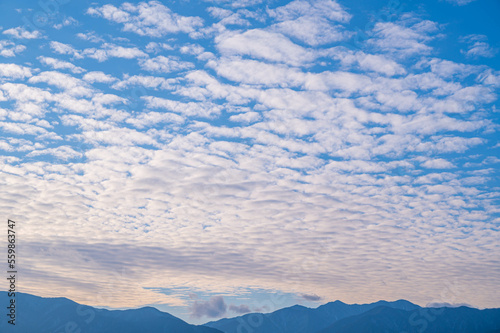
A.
pixel 216 157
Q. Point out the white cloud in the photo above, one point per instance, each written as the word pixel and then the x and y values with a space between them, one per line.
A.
pixel 234 19
pixel 101 54
pixel 447 69
pixel 312 30
pixel 456 144
pixel 99 77
pixel 247 117
pixel 403 101
pixel 106 99
pixel 62 48
pixel 97 54
pixel 279 75
pixel 90 36
pixel 84 123
pixel 404 38
pixel 481 49
pixel 111 50
pixel 147 18
pixel 438 163
pixel 478 47
pixel 10 49
pixel 23 129
pixel 194 49
pixel 312 22
pixel 63 153
pixel 265 45
pixel 163 64
pixel 191 109
pixel 145 81
pixel 117 137
pixel 239 3
pixel 111 13
pixel 219 13
pixel 257 72
pixel 150 119
pixel 157 47
pixel 460 2
pixel 490 77
pixel 63 81
pixel 434 123
pixel 123 52
pixel 60 64
pixel 370 62
pixel 25 93
pixel 329 9
pixel 14 71
pixel 67 21
pixel 22 33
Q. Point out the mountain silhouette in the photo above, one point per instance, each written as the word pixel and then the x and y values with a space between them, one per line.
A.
pixel 383 319
pixel 299 319
pixel 61 315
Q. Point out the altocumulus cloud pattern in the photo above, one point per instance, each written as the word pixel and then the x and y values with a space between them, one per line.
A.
pixel 218 147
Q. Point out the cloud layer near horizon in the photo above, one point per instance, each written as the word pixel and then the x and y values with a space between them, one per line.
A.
pixel 253 147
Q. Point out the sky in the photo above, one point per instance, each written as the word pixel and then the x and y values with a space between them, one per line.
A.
pixel 212 158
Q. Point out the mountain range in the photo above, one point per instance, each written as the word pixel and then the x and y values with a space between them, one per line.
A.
pixel 298 318
pixel 58 315
pixel 61 315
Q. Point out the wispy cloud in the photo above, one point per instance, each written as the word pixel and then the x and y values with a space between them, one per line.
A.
pixel 406 37
pixel 213 308
pixel 60 64
pixel 313 297
pixel 460 2
pixel 22 33
pixel 239 309
pixel 478 47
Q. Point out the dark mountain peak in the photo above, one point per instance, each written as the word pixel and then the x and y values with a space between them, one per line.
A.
pixel 403 301
pixel 330 304
pixel 399 304
pixel 297 307
pixel 149 309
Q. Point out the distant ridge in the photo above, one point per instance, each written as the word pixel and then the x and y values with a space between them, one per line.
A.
pixel 299 319
pixel 380 317
pixel 383 319
pixel 60 315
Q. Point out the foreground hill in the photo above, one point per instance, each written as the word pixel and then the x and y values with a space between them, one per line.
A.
pixel 299 319
pixel 59 315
